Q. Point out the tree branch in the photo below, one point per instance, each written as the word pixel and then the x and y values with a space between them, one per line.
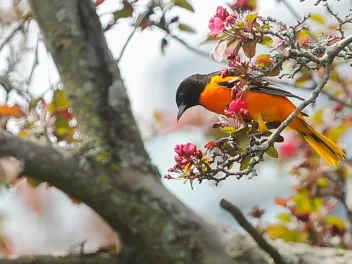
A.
pixel 100 258
pixel 327 59
pixel 114 175
pixel 262 243
pixel 14 31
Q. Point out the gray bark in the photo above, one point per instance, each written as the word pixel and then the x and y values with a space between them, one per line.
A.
pixel 114 175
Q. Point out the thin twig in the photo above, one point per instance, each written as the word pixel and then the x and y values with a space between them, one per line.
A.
pixel 259 239
pixel 327 59
pixel 189 47
pixel 330 96
pixel 14 31
pixel 35 63
pixel 126 43
pixel 291 9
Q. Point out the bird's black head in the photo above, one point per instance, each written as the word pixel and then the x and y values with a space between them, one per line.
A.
pixel 189 91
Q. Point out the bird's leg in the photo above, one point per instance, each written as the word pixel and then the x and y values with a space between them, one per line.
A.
pixel 262 127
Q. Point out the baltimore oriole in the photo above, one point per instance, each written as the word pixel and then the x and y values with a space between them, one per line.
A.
pixel 266 103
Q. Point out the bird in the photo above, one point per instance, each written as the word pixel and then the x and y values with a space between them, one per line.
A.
pixel 267 102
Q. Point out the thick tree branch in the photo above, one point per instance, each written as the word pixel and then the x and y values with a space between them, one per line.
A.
pixel 114 175
pixel 101 258
pixel 262 243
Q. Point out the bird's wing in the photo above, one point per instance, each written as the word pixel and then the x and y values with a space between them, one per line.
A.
pixel 266 88
pixel 273 89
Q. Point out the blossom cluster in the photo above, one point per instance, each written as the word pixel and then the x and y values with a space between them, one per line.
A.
pixel 188 158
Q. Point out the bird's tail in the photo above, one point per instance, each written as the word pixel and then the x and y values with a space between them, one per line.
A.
pixel 327 149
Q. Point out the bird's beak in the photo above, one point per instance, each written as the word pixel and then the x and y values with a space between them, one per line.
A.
pixel 181 110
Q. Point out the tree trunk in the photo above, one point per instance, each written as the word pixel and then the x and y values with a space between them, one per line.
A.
pixel 115 176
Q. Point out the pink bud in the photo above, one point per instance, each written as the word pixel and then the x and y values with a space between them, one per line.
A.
pixel 221 13
pixel 178 148
pixel 199 154
pixel 178 158
pixel 168 176
pixel 230 20
pixel 190 148
pixel 216 26
pixel 225 73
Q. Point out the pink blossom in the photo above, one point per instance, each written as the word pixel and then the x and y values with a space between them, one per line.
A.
pixel 230 20
pixel 185 153
pixel 216 26
pixel 237 107
pixel 244 5
pixel 235 90
pixel 190 149
pixel 225 73
pixel 288 149
pixel 221 13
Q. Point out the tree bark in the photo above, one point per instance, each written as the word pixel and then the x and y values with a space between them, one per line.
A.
pixel 114 175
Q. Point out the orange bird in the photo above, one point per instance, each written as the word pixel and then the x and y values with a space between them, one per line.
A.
pixel 266 103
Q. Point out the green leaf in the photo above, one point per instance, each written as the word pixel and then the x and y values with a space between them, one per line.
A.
pixel 274 73
pixel 285 217
pixel 272 152
pixel 323 182
pixel 335 133
pixel 264 60
pixel 228 129
pixel 277 231
pixel 184 4
pixel 265 27
pixel 302 79
pixel 33 182
pixel 213 38
pixel 245 163
pixel 318 116
pixel 251 17
pixel 249 49
pixel 59 101
pixel 317 18
pixel 267 40
pixel 335 221
pixel 126 11
pixel 186 28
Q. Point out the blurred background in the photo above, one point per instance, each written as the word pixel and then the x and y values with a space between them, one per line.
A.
pixel 43 220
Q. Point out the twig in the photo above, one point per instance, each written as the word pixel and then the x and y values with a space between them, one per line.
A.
pixel 189 47
pixel 291 9
pixel 327 59
pixel 259 239
pixel 126 43
pixel 35 63
pixel 330 96
pixel 14 31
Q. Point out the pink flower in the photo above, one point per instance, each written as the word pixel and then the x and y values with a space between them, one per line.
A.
pixel 221 13
pixel 230 20
pixel 235 90
pixel 190 149
pixel 237 107
pixel 288 149
pixel 216 26
pixel 244 5
pixel 185 153
pixel 225 73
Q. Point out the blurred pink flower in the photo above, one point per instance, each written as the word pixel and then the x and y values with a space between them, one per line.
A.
pixel 288 149
pixel 216 26
pixel 237 107
pixel 221 13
